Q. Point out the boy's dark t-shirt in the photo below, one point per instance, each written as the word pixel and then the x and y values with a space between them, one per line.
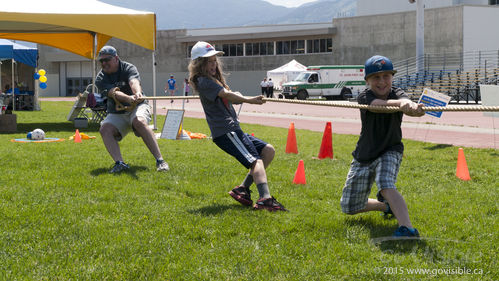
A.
pixel 381 132
pixel 121 78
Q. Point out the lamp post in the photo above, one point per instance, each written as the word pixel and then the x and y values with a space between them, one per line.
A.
pixel 419 35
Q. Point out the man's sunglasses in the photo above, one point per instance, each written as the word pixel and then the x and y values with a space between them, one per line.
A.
pixel 105 59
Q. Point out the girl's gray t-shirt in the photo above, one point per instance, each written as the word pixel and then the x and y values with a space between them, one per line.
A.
pixel 220 113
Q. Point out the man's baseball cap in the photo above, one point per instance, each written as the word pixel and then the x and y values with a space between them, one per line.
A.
pixel 203 50
pixel 377 64
pixel 107 51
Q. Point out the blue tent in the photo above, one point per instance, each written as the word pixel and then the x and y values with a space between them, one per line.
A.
pixel 18 52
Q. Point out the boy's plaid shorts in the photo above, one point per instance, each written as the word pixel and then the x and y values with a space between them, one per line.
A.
pixel 360 179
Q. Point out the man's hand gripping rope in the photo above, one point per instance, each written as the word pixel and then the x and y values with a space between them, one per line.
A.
pixel 120 97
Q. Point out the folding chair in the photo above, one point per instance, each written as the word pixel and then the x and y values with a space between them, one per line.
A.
pixel 95 106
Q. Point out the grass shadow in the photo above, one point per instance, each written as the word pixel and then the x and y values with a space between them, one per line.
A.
pixel 376 228
pixel 131 172
pixel 438 146
pixel 55 127
pixel 381 236
pixel 215 209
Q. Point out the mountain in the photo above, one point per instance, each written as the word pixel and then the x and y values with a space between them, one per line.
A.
pixel 177 14
pixel 320 11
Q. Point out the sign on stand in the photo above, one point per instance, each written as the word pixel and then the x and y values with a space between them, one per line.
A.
pixel 432 98
pixel 490 97
pixel 173 124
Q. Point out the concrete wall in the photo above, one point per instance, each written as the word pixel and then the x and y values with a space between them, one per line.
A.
pixel 376 7
pixel 480 28
pixel 394 35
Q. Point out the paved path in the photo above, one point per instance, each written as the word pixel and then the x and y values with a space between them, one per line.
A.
pixel 467 129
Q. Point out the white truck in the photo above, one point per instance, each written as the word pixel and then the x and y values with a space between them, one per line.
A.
pixel 329 81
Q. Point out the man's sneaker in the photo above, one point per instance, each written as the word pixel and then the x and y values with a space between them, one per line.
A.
pixel 269 204
pixel 162 166
pixel 118 167
pixel 242 195
pixel 404 231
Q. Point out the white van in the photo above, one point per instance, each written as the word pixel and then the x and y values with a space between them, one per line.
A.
pixel 329 81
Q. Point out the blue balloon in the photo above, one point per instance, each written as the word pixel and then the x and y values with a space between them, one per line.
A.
pixel 36 76
pixel 28 136
pixel 43 85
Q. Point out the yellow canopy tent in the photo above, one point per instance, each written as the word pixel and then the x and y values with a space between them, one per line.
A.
pixel 80 27
pixel 72 25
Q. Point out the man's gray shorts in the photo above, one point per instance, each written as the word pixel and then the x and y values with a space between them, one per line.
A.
pixel 383 170
pixel 123 122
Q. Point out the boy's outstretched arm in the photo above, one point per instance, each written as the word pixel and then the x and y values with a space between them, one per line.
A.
pixel 406 105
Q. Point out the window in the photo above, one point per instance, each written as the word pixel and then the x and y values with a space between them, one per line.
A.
pixel 260 49
pixel 232 50
pixel 263 48
pixel 314 78
pixel 300 47
pixel 256 49
pixel 249 49
pixel 320 45
pixel 239 50
pixel 76 85
pixel 290 47
pixel 270 48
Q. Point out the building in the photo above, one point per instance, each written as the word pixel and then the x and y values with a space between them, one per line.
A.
pixel 369 7
pixel 252 51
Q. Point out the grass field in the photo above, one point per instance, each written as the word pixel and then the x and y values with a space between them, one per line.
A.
pixel 63 217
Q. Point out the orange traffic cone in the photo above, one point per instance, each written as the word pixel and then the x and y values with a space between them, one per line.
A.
pixel 291 143
pixel 77 137
pixel 326 150
pixel 462 168
pixel 300 174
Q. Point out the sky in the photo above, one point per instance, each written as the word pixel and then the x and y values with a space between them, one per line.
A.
pixel 289 3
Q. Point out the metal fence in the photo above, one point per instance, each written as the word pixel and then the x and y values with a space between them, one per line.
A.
pixel 456 74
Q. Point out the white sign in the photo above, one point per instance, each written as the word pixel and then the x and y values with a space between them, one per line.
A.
pixel 173 121
pixel 432 98
pixel 490 97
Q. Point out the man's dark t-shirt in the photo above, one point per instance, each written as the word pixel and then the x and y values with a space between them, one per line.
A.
pixel 121 78
pixel 381 132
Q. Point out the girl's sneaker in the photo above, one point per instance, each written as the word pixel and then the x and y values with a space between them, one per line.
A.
pixel 269 204
pixel 242 195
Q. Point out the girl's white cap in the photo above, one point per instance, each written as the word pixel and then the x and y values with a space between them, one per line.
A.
pixel 203 49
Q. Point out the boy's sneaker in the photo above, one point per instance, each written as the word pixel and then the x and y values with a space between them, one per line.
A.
pixel 404 231
pixel 242 195
pixel 269 204
pixel 162 166
pixel 118 167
